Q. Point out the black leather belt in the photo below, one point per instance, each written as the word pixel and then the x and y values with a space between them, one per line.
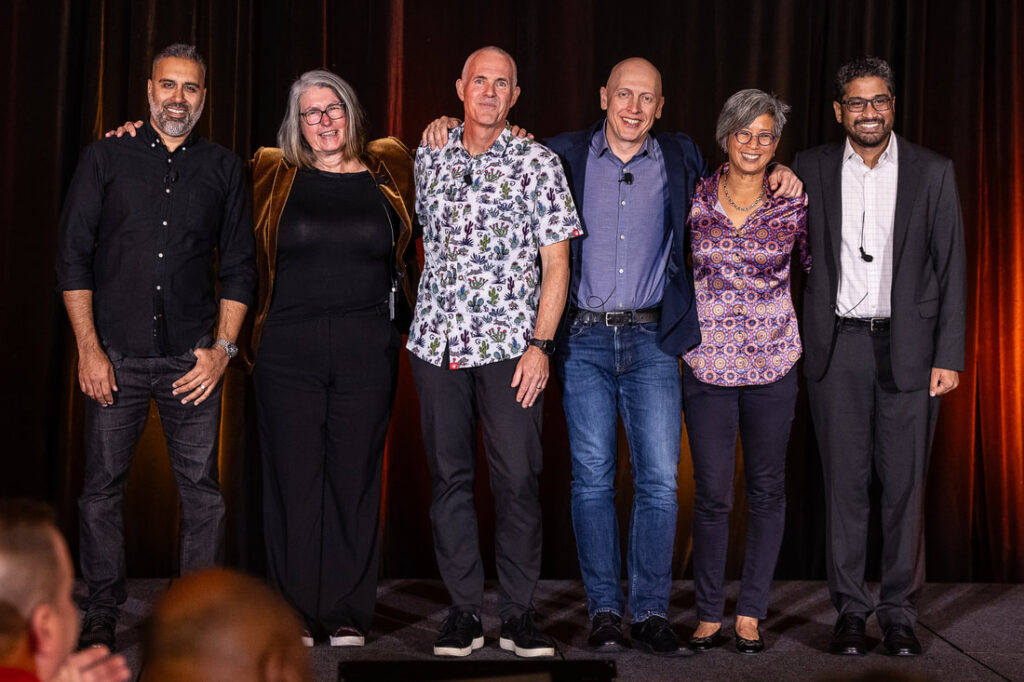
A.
pixel 872 324
pixel 616 318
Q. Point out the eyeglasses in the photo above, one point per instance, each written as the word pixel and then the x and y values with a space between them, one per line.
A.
pixel 313 116
pixel 763 139
pixel 857 104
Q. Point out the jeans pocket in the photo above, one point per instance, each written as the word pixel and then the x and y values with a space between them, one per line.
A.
pixel 576 328
pixel 648 328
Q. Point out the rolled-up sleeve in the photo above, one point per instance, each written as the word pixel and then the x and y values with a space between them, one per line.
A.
pixel 237 242
pixel 78 224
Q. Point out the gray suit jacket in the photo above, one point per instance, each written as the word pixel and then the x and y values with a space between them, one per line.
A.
pixel 928 287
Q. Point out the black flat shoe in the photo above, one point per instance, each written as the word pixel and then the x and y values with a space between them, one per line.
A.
pixel 707 643
pixel 749 646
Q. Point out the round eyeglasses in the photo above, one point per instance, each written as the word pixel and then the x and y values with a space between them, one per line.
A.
pixel 313 116
pixel 764 139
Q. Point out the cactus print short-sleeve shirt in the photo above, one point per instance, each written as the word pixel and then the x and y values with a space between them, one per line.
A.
pixel 484 220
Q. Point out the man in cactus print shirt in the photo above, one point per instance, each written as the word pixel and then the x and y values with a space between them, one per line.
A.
pixel 496 213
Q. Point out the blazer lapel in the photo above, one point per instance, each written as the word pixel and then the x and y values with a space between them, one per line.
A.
pixel 832 185
pixel 679 194
pixel 907 183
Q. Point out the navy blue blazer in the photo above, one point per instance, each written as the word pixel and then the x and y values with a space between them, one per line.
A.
pixel 679 330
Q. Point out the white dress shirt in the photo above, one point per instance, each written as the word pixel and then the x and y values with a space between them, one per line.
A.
pixel 869 208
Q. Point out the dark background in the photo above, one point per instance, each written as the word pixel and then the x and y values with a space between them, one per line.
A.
pixel 75 69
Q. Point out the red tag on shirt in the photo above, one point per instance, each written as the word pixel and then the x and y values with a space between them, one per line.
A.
pixel 453 364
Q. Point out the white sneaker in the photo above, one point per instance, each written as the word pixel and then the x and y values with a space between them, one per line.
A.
pixel 347 636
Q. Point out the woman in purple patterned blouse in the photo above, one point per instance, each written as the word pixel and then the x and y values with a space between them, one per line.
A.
pixel 740 377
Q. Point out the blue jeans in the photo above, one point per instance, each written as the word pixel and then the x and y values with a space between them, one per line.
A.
pixel 111 434
pixel 605 370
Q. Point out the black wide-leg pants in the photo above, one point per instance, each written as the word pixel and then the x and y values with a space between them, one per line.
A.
pixel 324 391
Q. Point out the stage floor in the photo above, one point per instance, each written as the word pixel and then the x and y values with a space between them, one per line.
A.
pixel 968 631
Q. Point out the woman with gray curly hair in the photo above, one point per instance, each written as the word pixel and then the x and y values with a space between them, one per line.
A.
pixel 337 267
pixel 740 378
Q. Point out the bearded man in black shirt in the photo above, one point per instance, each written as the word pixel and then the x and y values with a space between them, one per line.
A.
pixel 147 222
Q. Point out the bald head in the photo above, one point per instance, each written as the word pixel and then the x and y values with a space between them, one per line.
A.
pixel 632 97
pixel 218 625
pixel 634 67
pixel 490 49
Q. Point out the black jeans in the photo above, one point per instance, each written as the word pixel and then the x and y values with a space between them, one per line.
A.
pixel 450 403
pixel 324 390
pixel 111 434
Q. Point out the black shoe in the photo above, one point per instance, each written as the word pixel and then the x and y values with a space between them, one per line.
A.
pixel 521 636
pixel 707 643
pixel 606 631
pixel 848 636
pixel 654 636
pixel 899 640
pixel 749 646
pixel 460 634
pixel 98 630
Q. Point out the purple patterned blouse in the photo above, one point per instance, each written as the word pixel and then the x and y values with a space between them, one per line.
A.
pixel 748 326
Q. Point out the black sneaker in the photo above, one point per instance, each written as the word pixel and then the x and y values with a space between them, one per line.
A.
pixel 98 630
pixel 654 636
pixel 521 636
pixel 460 634
pixel 606 631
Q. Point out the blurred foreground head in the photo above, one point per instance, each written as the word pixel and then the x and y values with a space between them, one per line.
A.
pixel 221 625
pixel 38 619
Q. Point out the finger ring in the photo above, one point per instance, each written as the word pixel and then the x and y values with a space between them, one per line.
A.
pixel 202 387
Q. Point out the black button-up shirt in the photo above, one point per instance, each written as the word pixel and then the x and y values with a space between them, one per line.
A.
pixel 144 229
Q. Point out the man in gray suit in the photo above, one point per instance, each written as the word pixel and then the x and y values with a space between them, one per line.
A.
pixel 883 337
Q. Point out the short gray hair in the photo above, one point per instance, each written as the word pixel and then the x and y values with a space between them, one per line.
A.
pixel 29 555
pixel 498 50
pixel 289 136
pixel 742 108
pixel 181 51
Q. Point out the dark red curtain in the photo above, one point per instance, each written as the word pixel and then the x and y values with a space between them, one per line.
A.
pixel 76 68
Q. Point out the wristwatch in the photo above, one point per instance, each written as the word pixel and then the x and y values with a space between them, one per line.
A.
pixel 230 349
pixel 546 346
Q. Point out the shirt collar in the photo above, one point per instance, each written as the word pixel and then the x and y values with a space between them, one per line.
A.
pixel 152 137
pixel 889 156
pixel 496 149
pixel 599 144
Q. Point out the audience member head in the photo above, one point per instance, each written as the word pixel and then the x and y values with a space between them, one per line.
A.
pixel 38 619
pixel 220 625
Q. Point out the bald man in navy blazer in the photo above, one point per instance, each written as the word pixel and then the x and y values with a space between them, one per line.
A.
pixel 883 334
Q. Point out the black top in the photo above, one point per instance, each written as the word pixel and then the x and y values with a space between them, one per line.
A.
pixel 333 247
pixel 143 229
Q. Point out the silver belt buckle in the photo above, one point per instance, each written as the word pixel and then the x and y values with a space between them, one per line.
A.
pixel 880 321
pixel 610 317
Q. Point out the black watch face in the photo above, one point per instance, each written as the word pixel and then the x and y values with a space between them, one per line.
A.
pixel 546 346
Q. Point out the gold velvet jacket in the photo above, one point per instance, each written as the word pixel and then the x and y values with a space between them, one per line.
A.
pixel 391 166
